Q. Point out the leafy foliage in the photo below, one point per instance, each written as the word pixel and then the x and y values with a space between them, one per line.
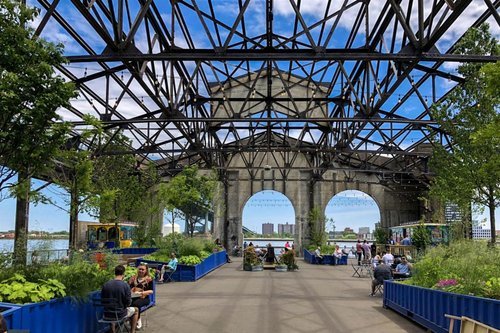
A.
pixel 19 291
pixel 190 193
pixel 288 258
pixel 470 172
pixel 381 235
pixel 421 237
pixel 250 257
pixel 471 264
pixel 30 94
pixel 189 260
pixel 316 222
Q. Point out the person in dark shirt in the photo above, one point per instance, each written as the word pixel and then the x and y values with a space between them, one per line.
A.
pixel 380 273
pixel 3 325
pixel 119 291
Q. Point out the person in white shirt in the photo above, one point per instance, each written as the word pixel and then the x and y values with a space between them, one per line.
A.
pixel 319 257
pixel 388 258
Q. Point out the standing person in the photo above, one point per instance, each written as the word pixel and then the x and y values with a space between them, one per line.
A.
pixel 373 249
pixel 118 290
pixel 359 251
pixel 245 244
pixel 141 285
pixel 367 251
pixel 169 267
pixel 287 246
pixel 406 241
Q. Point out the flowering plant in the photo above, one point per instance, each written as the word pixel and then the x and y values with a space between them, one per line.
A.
pixel 444 284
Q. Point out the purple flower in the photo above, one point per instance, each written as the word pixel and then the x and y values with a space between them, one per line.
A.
pixel 446 283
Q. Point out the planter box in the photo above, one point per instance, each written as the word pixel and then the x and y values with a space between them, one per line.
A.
pixel 60 315
pixel 135 250
pixel 428 306
pixel 310 257
pixel 185 273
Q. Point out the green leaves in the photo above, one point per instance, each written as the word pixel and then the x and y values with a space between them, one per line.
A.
pixel 30 94
pixel 470 170
pixel 19 291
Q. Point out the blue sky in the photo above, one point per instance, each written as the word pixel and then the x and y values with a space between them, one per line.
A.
pixel 265 206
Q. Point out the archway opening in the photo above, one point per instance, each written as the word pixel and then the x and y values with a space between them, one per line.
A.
pixel 351 215
pixel 268 217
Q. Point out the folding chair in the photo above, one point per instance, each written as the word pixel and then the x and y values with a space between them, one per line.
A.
pixel 357 270
pixel 167 277
pixel 111 307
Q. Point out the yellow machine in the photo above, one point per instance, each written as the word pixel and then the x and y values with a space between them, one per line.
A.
pixel 110 235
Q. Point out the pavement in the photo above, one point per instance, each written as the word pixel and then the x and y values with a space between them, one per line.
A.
pixel 315 299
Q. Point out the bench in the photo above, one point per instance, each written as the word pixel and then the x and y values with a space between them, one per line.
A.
pixel 468 325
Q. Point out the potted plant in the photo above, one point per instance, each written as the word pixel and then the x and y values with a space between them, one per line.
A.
pixel 281 266
pixel 251 261
pixel 288 259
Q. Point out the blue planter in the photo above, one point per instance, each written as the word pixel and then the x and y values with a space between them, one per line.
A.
pixel 185 273
pixel 428 306
pixel 310 257
pixel 135 250
pixel 60 315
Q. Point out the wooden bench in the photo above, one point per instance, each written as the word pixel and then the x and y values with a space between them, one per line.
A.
pixel 469 325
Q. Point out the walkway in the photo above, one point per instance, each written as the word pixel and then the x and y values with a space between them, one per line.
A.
pixel 313 299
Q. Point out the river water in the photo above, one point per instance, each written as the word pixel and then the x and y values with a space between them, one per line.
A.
pixel 7 245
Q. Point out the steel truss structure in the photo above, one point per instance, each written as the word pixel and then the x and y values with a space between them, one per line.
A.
pixel 347 83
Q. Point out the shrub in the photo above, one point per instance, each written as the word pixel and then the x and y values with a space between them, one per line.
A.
pixel 204 254
pixel 17 290
pixel 473 266
pixel 189 260
pixel 191 247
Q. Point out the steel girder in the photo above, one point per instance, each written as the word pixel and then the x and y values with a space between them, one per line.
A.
pixel 349 82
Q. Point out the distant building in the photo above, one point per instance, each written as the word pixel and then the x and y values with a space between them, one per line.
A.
pixel 267 228
pixel 452 213
pixel 167 229
pixel 364 230
pixel 480 233
pixel 286 229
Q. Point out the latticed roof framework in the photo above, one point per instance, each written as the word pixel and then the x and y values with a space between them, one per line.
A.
pixel 348 84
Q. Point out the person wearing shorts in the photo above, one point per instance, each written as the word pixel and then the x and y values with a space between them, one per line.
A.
pixel 119 291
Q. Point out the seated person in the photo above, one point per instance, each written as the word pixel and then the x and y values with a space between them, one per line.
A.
pixel 337 254
pixel 170 267
pixel 376 260
pixel 403 269
pixel 318 255
pixel 219 244
pixel 118 290
pixel 380 273
pixel 141 286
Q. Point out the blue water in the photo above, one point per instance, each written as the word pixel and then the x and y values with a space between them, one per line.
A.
pixel 7 245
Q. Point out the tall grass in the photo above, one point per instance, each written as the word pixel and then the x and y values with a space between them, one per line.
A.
pixel 473 264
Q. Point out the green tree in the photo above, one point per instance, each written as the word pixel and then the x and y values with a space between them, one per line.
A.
pixel 30 94
pixel 421 237
pixel 316 223
pixel 190 193
pixel 470 170
pixel 381 235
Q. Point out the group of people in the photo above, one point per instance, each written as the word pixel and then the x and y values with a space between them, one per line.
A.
pixel 125 299
pixel 337 254
pixel 388 268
